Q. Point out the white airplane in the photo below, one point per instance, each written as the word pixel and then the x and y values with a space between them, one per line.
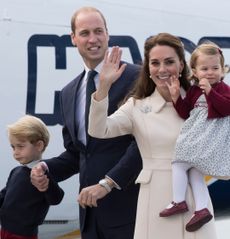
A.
pixel 37 60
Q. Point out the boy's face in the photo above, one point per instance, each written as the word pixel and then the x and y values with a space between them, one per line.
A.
pixel 25 152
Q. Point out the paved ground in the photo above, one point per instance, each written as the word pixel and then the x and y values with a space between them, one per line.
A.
pixel 68 231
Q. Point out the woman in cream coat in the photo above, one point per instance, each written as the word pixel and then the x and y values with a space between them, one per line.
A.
pixel 149 115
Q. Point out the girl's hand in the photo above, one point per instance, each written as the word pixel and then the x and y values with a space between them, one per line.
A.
pixel 110 72
pixel 205 85
pixel 174 88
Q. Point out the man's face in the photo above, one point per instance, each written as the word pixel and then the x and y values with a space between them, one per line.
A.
pixel 90 37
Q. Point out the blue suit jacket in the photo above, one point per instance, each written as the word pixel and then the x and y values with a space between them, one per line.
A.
pixel 118 158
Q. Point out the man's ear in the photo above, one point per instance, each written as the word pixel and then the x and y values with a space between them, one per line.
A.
pixel 72 39
pixel 108 37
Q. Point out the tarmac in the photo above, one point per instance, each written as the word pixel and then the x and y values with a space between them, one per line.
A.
pixel 69 230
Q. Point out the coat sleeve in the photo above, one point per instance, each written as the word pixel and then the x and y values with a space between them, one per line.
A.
pixel 117 124
pixel 103 126
pixel 2 196
pixel 219 99
pixel 185 105
pixel 4 190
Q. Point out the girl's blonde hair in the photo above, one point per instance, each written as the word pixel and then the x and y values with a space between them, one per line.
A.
pixel 207 48
pixel 30 128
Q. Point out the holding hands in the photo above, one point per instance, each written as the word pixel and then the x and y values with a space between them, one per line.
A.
pixel 111 71
pixel 38 177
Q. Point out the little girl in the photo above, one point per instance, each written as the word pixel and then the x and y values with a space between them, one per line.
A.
pixel 203 146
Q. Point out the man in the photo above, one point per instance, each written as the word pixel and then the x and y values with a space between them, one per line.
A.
pixel 108 168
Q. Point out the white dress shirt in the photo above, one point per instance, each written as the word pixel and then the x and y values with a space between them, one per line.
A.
pixel 80 103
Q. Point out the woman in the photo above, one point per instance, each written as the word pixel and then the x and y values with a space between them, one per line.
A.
pixel 150 116
pixel 206 110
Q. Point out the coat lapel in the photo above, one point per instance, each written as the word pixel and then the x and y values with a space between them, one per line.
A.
pixel 159 102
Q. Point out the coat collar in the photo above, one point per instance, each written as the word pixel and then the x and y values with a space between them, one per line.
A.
pixel 159 101
pixel 32 164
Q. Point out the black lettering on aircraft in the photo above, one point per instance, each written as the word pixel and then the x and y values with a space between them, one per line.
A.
pixel 60 43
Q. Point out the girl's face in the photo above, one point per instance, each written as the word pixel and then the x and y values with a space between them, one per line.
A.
pixel 163 64
pixel 209 67
pixel 25 152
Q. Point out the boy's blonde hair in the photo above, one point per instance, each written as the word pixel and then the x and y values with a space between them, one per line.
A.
pixel 30 128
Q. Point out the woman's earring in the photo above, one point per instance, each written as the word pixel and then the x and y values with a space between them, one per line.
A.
pixel 180 75
pixel 150 76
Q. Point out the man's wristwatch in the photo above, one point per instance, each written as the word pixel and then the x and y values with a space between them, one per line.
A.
pixel 105 184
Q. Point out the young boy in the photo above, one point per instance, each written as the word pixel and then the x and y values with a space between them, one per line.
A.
pixel 22 207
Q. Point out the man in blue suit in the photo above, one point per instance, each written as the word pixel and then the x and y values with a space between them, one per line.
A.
pixel 108 168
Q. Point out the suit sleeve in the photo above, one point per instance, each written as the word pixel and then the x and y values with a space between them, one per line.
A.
pixel 67 163
pixel 129 167
pixel 54 194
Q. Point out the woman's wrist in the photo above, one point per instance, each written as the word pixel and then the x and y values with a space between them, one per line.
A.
pixel 175 98
pixel 100 95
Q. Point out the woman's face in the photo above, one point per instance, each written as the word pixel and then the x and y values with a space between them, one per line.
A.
pixel 163 64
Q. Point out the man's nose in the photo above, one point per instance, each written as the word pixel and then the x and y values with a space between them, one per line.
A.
pixel 92 37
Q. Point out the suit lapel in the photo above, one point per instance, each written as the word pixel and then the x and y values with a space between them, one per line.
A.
pixel 72 108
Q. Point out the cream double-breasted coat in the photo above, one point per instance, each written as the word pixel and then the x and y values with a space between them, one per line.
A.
pixel 155 126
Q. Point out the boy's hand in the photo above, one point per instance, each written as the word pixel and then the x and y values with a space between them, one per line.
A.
pixel 38 177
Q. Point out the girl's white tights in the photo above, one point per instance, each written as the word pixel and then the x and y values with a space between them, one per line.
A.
pixel 181 174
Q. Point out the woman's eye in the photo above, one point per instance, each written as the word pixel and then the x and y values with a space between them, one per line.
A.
pixel 154 63
pixel 169 62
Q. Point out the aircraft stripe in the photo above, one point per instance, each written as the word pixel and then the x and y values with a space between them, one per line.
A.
pixel 71 235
